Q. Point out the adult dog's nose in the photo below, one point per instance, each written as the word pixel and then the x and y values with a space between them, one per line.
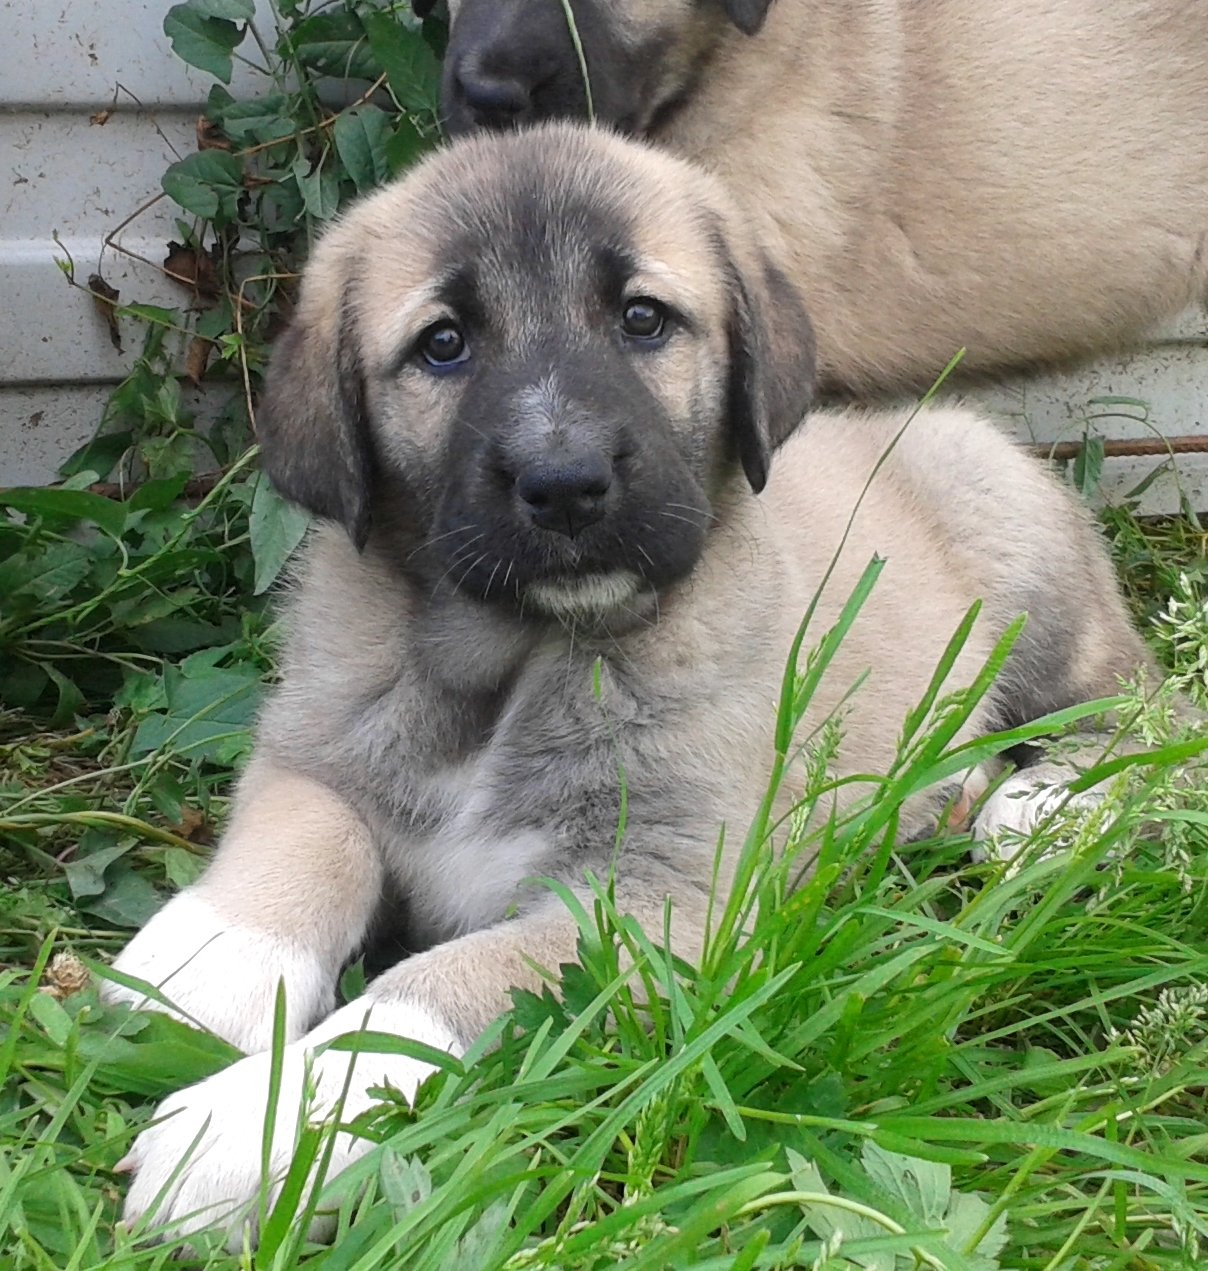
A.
pixel 566 494
pixel 494 101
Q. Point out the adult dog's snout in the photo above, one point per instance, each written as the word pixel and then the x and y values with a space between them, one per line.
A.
pixel 501 72
pixel 566 492
pixel 492 100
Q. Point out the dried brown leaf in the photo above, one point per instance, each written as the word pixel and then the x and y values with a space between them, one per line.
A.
pixel 197 358
pixel 193 268
pixel 105 298
pixel 193 824
pixel 209 135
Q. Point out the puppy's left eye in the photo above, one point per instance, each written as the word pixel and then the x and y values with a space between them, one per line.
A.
pixel 644 319
pixel 443 345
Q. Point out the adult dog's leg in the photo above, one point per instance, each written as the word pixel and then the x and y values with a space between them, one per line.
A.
pixel 289 895
pixel 443 997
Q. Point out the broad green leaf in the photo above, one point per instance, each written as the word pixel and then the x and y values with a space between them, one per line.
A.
pixel 50 1015
pixel 21 686
pixel 209 714
pixel 1088 466
pixel 360 136
pixel 86 874
pixel 235 10
pixel 276 528
pixel 156 315
pixel 179 635
pixel 264 119
pixel 128 900
pixel 144 607
pixel 158 494
pixel 352 981
pixel 335 44
pixel 204 42
pixel 79 480
pixel 476 1247
pixel 182 868
pixel 45 575
pixel 825 1220
pixel 71 700
pixel 174 455
pixel 320 188
pixel 405 145
pixel 162 1055
pixel 406 1183
pixel 923 1187
pixel 964 1218
pixel 208 183
pixel 66 506
pixel 101 454
pixel 411 67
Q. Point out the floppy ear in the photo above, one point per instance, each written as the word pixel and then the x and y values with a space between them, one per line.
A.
pixel 311 423
pixel 421 8
pixel 771 384
pixel 747 15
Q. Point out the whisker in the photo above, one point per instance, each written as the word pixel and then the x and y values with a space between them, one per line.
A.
pixel 486 591
pixel 462 553
pixel 469 569
pixel 429 542
pixel 675 516
pixel 687 507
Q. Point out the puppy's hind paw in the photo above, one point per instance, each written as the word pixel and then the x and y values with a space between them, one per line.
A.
pixel 1024 803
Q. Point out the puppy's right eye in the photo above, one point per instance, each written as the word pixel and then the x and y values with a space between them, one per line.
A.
pixel 443 345
pixel 644 319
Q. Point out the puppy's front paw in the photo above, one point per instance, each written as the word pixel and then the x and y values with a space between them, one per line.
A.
pixel 222 975
pixel 204 1151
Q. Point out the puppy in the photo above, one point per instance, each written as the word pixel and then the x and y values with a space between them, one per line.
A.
pixel 1026 180
pixel 534 393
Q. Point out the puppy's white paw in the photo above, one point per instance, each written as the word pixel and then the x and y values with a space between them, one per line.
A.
pixel 222 1121
pixel 223 976
pixel 1018 807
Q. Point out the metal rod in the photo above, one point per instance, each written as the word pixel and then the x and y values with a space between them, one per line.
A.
pixel 1124 447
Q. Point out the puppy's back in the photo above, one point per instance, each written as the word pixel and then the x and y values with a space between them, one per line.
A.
pixel 1002 530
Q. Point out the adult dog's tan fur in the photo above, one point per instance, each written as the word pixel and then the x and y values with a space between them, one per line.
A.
pixel 436 737
pixel 1028 180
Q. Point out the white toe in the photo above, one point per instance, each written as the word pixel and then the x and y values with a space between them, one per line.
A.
pixel 213 1131
pixel 223 976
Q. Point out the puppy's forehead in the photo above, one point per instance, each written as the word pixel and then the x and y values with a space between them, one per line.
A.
pixel 539 215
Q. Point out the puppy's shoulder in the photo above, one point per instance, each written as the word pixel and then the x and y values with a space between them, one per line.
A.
pixel 345 607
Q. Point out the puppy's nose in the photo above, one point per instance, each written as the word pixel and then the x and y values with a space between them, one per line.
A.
pixel 566 495
pixel 496 101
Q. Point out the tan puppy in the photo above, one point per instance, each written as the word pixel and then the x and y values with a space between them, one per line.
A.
pixel 1028 180
pixel 538 385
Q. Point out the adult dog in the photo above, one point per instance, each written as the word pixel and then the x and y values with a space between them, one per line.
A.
pixel 537 386
pixel 1027 180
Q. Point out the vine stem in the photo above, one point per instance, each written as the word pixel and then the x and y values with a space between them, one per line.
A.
pixel 837 1202
pixel 35 820
pixel 322 126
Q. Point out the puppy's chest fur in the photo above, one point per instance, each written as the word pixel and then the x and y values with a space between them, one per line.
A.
pixel 471 789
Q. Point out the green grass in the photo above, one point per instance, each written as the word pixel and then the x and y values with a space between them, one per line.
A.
pixel 909 1061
